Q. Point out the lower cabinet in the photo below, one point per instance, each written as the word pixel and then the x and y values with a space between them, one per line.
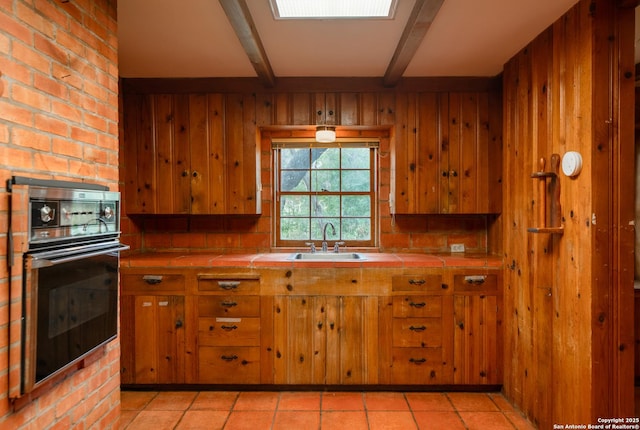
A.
pixel 431 326
pixel 325 340
pixel 153 350
pixel 477 329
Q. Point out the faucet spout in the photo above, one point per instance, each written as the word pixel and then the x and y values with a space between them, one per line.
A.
pixel 325 247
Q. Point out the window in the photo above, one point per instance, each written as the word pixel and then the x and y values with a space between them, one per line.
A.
pixel 325 190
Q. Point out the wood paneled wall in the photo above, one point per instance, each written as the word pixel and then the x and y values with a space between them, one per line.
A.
pixel 568 324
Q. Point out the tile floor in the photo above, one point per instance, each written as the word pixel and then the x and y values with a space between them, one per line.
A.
pixel 260 410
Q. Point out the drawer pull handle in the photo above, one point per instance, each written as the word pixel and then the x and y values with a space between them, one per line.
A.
pixel 474 280
pixel 229 327
pixel 418 328
pixel 417 281
pixel 229 357
pixel 417 360
pixel 152 279
pixel 228 285
pixel 226 304
pixel 417 305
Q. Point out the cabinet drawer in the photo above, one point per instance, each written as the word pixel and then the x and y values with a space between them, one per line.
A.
pixel 419 282
pixel 229 331
pixel 417 332
pixel 475 283
pixel 417 366
pixel 417 306
pixel 229 306
pixel 153 282
pixel 220 284
pixel 229 365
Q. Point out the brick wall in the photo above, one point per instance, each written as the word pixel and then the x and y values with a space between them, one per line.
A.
pixel 58 120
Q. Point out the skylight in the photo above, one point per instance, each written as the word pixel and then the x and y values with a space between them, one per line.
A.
pixel 332 9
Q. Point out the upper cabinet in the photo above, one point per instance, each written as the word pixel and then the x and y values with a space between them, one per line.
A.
pixel 447 153
pixel 190 154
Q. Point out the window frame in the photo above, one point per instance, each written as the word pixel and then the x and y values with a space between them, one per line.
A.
pixel 372 144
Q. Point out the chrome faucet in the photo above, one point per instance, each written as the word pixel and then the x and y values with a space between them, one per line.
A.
pixel 325 247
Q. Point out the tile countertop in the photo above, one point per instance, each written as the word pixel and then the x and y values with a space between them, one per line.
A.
pixel 170 259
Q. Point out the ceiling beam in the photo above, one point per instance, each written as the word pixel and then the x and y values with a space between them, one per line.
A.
pixel 240 18
pixel 423 14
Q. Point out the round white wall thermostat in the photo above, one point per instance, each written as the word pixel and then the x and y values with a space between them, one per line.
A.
pixel 572 163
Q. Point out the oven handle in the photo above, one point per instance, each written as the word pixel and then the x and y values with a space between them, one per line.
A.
pixel 51 258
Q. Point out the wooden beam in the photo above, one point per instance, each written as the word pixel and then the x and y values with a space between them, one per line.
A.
pixel 240 18
pixel 417 26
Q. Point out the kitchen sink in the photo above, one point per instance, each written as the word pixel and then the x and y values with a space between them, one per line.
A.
pixel 326 256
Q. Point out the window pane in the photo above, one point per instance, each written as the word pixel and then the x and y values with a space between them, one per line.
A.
pixel 294 158
pixel 325 180
pixel 356 206
pixel 356 229
pixel 324 206
pixel 294 180
pixel 356 180
pixel 318 228
pixel 356 158
pixel 294 228
pixel 325 158
pixel 292 206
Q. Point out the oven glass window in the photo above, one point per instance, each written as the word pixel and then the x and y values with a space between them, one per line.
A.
pixel 77 310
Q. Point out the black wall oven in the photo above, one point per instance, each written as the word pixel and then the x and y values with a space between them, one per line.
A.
pixel 70 278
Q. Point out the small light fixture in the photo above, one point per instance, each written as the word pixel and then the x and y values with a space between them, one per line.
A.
pixel 325 134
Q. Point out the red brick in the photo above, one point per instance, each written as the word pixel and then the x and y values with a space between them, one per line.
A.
pixel 15 114
pixel 72 10
pixel 50 86
pixel 31 57
pixel 81 169
pixel 28 138
pixel 18 158
pixel 5 43
pixel 108 173
pixel 38 21
pixel 96 91
pixel 50 163
pixel 95 122
pixel 68 76
pixel 53 13
pixel 8 24
pixel 29 96
pixel 81 100
pixel 18 72
pixel 79 133
pixel 66 111
pixel 94 155
pixel 72 43
pixel 68 148
pixel 51 125
pixel 65 404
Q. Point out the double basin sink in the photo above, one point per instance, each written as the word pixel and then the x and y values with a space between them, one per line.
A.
pixel 326 256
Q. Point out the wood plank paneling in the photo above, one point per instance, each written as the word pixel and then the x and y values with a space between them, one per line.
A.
pixel 563 362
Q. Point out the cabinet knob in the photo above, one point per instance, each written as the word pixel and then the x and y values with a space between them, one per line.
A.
pixel 453 173
pixel 417 305
pixel 152 279
pixel 418 328
pixel 195 174
pixel 179 324
pixel 228 285
pixel 229 327
pixel 185 173
pixel 417 281
pixel 417 360
pixel 228 304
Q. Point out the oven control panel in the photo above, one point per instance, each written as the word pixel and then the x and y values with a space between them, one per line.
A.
pixel 57 214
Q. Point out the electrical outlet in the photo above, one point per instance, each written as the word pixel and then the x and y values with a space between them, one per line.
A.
pixel 457 247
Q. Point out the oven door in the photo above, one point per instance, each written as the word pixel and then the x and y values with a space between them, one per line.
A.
pixel 71 307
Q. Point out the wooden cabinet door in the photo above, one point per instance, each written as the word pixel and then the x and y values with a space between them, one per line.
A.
pixel 478 339
pixel 447 153
pixel 157 349
pixel 325 340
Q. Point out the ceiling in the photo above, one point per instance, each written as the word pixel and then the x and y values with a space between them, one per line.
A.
pixel 195 38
